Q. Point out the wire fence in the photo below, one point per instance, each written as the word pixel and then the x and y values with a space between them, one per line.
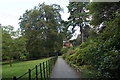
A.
pixel 39 72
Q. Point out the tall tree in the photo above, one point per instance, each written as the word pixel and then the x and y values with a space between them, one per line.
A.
pixel 78 16
pixel 42 28
pixel 67 34
pixel 13 46
pixel 102 13
pixel 7 43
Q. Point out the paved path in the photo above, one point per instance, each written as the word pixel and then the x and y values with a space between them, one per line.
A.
pixel 63 70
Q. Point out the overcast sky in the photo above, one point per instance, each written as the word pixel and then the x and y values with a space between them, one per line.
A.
pixel 11 10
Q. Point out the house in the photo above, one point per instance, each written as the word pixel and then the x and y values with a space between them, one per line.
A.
pixel 67 44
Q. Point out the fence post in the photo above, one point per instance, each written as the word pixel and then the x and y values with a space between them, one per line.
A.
pixel 29 74
pixel 36 73
pixel 51 62
pixel 41 71
pixel 44 70
pixel 49 67
pixel 14 78
pixel 54 60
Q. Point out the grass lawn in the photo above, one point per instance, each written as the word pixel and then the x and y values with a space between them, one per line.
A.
pixel 19 68
pixel 60 56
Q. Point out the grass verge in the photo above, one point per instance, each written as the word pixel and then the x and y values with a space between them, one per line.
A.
pixel 19 68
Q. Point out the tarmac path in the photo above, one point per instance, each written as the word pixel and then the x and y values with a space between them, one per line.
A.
pixel 63 70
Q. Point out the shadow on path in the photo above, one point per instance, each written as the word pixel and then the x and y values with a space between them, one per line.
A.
pixel 63 70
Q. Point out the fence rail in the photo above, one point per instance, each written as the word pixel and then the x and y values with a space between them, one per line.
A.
pixel 41 71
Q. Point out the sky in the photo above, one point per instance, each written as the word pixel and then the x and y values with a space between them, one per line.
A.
pixel 11 10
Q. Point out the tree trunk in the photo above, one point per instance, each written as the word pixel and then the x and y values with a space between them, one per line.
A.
pixel 10 63
pixel 82 38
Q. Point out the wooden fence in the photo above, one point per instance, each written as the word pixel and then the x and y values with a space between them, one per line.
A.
pixel 39 72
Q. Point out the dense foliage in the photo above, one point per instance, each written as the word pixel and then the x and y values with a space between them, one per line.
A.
pixel 42 27
pixel 78 17
pixel 39 36
pixel 42 31
pixel 101 51
pixel 13 45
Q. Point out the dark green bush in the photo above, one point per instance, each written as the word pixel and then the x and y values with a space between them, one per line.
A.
pixel 101 53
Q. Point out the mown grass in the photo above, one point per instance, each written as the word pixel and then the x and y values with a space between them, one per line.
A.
pixel 19 68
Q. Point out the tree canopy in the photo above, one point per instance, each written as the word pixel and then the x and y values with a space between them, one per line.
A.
pixel 101 50
pixel 42 27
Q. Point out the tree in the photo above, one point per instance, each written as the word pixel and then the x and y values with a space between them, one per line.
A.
pixel 7 43
pixel 102 13
pixel 101 51
pixel 13 45
pixel 42 27
pixel 78 16
pixel 67 34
